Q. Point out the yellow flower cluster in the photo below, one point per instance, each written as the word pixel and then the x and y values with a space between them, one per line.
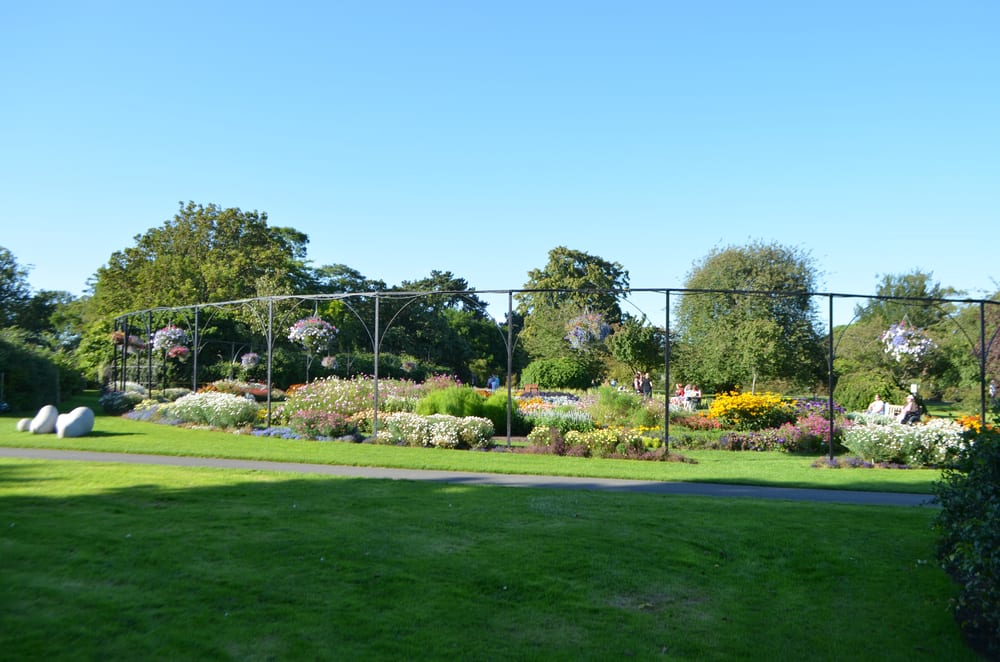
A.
pixel 975 424
pixel 751 411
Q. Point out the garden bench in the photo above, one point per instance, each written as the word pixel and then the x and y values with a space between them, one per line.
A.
pixel 893 410
pixel 530 389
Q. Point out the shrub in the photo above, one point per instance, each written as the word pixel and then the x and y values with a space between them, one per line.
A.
pixel 495 409
pixel 315 424
pixel 220 410
pixel 620 408
pixel 30 373
pixel 453 400
pixel 752 411
pixel 562 419
pixel 557 373
pixel 969 543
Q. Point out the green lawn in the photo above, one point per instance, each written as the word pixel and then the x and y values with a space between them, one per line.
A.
pixel 114 561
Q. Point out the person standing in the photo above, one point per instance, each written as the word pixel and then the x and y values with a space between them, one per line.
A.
pixel 646 386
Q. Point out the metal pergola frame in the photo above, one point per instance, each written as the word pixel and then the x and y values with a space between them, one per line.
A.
pixel 377 333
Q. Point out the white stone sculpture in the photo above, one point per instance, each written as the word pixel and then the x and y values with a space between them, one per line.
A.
pixel 76 423
pixel 44 421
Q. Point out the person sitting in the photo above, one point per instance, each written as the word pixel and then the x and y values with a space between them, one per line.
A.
pixel 877 407
pixel 910 412
pixel 692 396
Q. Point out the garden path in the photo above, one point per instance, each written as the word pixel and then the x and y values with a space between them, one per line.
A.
pixel 504 480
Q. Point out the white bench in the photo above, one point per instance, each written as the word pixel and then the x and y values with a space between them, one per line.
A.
pixel 893 410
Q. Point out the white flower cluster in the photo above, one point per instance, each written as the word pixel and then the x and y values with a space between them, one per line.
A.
pixel 169 337
pixel 922 445
pixel 439 430
pixel 313 333
pixel 221 410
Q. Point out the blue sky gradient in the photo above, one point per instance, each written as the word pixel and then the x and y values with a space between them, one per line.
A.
pixel 474 137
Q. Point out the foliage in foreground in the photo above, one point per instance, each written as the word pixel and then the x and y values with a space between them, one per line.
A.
pixel 969 544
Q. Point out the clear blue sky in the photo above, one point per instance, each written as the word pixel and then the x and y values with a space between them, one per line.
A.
pixel 476 136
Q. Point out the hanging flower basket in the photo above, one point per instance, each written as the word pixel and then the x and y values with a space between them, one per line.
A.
pixel 313 333
pixel 178 352
pixel 169 337
pixel 903 340
pixel 586 329
pixel 250 360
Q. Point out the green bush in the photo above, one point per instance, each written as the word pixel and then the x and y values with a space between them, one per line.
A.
pixel 855 390
pixel 31 376
pixel 495 409
pixel 453 400
pixel 557 373
pixel 969 543
pixel 622 408
pixel 563 420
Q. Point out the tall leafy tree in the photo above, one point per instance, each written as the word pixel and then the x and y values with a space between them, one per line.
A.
pixel 575 280
pixel 203 254
pixel 728 337
pixel 637 345
pixel 15 293
pixel 910 296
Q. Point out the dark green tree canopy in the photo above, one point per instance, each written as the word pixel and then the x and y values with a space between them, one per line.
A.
pixel 730 339
pixel 909 288
pixel 599 280
pixel 14 289
pixel 203 254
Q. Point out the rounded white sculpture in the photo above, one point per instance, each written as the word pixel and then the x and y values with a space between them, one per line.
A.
pixel 76 423
pixel 24 425
pixel 44 421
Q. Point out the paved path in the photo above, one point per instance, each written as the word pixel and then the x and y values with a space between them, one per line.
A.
pixel 505 480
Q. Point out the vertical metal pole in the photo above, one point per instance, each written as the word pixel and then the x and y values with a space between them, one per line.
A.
pixel 194 350
pixel 124 356
pixel 377 342
pixel 269 337
pixel 510 359
pixel 149 352
pixel 666 377
pixel 830 373
pixel 982 362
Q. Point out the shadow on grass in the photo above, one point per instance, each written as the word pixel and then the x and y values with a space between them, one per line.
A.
pixel 117 561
